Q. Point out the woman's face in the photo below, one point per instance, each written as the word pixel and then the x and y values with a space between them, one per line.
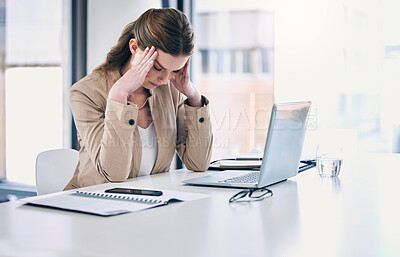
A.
pixel 164 68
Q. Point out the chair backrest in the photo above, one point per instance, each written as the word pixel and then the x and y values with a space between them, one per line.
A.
pixel 54 169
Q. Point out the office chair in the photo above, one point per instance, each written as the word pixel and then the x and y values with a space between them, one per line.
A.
pixel 54 169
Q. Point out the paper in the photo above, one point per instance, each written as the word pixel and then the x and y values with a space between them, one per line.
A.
pixel 108 205
pixel 239 164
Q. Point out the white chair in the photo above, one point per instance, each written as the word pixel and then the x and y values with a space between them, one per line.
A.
pixel 54 169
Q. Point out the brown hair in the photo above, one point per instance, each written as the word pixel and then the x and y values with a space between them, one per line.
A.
pixel 167 29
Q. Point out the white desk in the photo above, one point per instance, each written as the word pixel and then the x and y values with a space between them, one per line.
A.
pixel 356 214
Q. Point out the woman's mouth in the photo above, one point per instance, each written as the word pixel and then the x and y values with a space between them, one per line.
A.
pixel 154 85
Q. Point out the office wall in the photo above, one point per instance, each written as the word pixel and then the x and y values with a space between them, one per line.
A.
pixel 344 56
pixel 106 19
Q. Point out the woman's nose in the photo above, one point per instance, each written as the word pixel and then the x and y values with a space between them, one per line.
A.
pixel 164 77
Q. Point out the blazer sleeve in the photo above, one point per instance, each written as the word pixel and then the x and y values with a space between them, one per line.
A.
pixel 195 138
pixel 107 135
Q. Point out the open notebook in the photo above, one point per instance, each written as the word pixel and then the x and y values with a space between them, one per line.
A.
pixel 108 204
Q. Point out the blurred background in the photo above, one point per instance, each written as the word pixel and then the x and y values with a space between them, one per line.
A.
pixel 343 55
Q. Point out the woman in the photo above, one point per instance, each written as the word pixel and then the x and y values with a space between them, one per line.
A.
pixel 137 108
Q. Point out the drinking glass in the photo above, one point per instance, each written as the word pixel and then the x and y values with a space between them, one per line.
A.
pixel 329 158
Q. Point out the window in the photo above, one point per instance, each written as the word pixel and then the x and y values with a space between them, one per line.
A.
pixel 33 85
pixel 342 55
pixel 233 67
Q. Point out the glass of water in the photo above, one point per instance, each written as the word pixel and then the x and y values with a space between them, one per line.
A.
pixel 329 159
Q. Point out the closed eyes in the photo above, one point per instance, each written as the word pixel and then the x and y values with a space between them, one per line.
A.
pixel 160 69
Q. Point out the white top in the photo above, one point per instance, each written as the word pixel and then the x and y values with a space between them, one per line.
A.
pixel 149 149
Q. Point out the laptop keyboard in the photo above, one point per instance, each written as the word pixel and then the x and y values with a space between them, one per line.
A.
pixel 247 178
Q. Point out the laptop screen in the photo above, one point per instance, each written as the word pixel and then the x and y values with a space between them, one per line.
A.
pixel 284 142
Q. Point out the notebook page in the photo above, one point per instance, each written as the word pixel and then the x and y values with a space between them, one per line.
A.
pixel 105 207
pixel 164 198
pixel 108 203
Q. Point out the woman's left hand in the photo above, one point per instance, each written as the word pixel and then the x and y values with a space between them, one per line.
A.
pixel 181 81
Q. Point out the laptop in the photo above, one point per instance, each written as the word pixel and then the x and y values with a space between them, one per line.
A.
pixel 282 152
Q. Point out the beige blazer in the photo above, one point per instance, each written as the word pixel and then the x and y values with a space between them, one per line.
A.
pixel 110 143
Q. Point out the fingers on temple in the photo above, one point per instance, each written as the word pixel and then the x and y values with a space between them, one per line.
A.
pixel 148 60
pixel 146 67
pixel 144 54
pixel 148 54
pixel 187 65
pixel 186 70
pixel 138 61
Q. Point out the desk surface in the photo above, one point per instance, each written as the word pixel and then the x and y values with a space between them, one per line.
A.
pixel 356 214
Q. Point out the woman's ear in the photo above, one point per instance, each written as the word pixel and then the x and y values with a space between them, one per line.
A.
pixel 133 47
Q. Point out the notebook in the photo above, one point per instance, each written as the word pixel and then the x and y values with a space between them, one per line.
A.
pixel 254 165
pixel 282 151
pixel 108 204
pixel 236 164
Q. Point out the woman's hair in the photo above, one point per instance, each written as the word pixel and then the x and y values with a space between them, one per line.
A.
pixel 167 29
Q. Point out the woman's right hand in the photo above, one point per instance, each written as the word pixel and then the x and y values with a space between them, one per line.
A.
pixel 135 76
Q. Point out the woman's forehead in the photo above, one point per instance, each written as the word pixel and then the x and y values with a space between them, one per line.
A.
pixel 171 62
